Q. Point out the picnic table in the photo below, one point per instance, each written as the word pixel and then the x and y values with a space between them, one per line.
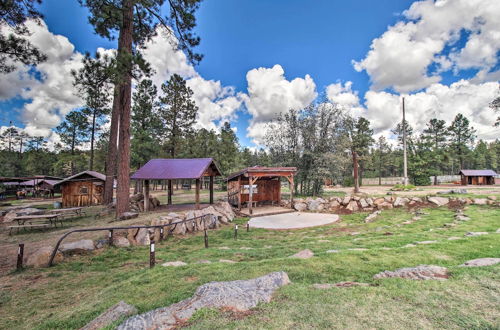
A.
pixel 33 221
pixel 77 211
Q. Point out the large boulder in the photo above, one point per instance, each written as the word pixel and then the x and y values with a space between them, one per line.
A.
pixel 316 204
pixel 364 204
pixel 480 201
pixel 438 201
pixel 334 204
pixel 81 246
pixel 240 295
pixel 346 200
pixel 120 241
pixel 481 262
pixel 143 237
pixel 352 206
pixel 112 314
pixel 300 206
pixel 400 201
pixel 40 258
pixel 226 209
pixel 422 272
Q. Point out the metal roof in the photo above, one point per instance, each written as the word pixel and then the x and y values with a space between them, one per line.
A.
pixel 94 174
pixel 175 168
pixel 262 169
pixel 478 172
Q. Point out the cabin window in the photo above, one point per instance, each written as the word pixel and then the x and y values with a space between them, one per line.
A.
pixel 84 190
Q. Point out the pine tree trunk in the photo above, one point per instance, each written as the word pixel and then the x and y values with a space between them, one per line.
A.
pixel 355 171
pixel 111 156
pixel 125 49
pixel 92 136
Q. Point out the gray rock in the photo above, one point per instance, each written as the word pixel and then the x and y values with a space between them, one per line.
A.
pixel 304 254
pixel 112 314
pixel 101 243
pixel 40 258
pixel 128 215
pixel 453 238
pixel 240 295
pixel 426 242
pixel 480 201
pixel 174 264
pixel 120 241
pixel 363 203
pixel 372 216
pixel 332 251
pixel 203 262
pixel 143 237
pixel 481 262
pixel 316 204
pixel 227 261
pixel 352 206
pixel 400 201
pixel 226 210
pixel 9 217
pixel 439 201
pixel 346 200
pixel 422 272
pixel 300 206
pixel 81 246
pixel 477 233
pixel 461 217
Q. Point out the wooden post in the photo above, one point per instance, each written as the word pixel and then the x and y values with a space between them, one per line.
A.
pixel 146 195
pixel 239 193
pixel 152 259
pixel 20 256
pixel 197 194
pixel 169 193
pixel 290 180
pixel 250 194
pixel 211 189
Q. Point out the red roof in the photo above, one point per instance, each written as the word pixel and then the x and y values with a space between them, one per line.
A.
pixel 264 169
pixel 174 169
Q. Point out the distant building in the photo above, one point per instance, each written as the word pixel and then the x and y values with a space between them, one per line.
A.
pixel 82 189
pixel 477 177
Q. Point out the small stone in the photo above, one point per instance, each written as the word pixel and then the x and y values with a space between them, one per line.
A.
pixel 332 251
pixel 174 264
pixel 300 206
pixel 426 242
pixel 358 249
pixel 223 248
pixel 227 261
pixel 203 262
pixel 453 238
pixel 325 286
pixel 409 245
pixel 480 201
pixel 304 254
pixel 128 215
pixel 246 248
pixel 422 272
pixel 462 218
pixel 477 233
pixel 323 241
pixel 481 262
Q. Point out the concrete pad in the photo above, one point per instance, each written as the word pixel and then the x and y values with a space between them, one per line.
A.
pixel 293 220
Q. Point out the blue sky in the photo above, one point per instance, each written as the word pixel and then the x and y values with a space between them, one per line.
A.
pixel 319 39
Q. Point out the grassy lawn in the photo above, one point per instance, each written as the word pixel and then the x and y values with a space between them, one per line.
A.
pixel 71 294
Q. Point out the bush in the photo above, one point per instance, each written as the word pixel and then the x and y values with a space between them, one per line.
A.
pixel 423 180
pixel 348 182
pixel 402 187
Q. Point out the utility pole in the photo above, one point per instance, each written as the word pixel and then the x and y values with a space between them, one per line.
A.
pixel 405 160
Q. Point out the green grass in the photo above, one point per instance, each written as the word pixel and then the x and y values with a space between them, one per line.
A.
pixel 71 294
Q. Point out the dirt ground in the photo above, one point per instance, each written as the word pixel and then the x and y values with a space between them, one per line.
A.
pixel 421 190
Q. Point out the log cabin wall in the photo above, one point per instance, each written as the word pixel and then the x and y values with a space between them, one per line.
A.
pixel 267 190
pixel 82 193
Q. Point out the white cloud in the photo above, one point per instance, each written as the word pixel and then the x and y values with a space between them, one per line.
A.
pixel 401 57
pixel 270 93
pixel 343 95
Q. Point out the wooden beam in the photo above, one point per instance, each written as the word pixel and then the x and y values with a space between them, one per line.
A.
pixel 197 194
pixel 290 180
pixel 145 187
pixel 211 189
pixel 239 193
pixel 169 192
pixel 250 194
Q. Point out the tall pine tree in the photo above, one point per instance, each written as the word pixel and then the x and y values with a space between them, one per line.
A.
pixel 462 135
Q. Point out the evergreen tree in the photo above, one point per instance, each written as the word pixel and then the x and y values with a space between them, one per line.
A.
pixel 135 21
pixel 381 156
pixel 14 47
pixel 227 153
pixel 435 135
pixel 360 137
pixel 73 132
pixel 461 136
pixel 177 111
pixel 398 131
pixel 93 83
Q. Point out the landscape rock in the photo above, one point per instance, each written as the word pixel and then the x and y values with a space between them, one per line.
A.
pixel 226 209
pixel 240 295
pixel 332 251
pixel 316 204
pixel 439 201
pixel 346 200
pixel 323 286
pixel 426 242
pixel 112 314
pixel 481 262
pixel 300 206
pixel 453 238
pixel 461 217
pixel 40 258
pixel 453 191
pixel 9 217
pixel 421 272
pixel 304 254
pixel 174 264
pixel 120 241
pixel 363 203
pixel 372 216
pixel 477 233
pixel 143 237
pixel 352 206
pixel 81 246
pixel 400 201
pixel 384 205
pixel 334 204
pixel 480 201
pixel 227 261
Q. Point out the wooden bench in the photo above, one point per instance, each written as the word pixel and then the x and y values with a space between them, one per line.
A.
pixel 28 226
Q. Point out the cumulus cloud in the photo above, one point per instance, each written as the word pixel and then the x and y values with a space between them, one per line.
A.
pixel 402 57
pixel 270 93
pixel 346 97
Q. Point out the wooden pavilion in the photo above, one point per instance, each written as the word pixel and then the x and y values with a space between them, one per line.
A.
pixel 178 169
pixel 258 185
pixel 477 177
pixel 83 189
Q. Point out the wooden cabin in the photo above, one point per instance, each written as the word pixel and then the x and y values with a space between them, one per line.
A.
pixel 178 169
pixel 477 177
pixel 258 185
pixel 82 189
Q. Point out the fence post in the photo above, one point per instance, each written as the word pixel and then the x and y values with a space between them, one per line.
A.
pixel 206 239
pixel 161 234
pixel 248 227
pixel 235 231
pixel 152 254
pixel 20 255
pixel 110 237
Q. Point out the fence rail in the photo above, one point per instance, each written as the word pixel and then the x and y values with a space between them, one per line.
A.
pixel 161 227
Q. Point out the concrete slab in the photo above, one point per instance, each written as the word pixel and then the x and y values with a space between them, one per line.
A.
pixel 293 220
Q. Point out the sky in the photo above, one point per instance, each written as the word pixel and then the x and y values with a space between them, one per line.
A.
pixel 262 58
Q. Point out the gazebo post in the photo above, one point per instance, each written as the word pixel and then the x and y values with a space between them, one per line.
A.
pixel 197 194
pixel 239 193
pixel 169 192
pixel 290 181
pixel 250 194
pixel 211 189
pixel 146 195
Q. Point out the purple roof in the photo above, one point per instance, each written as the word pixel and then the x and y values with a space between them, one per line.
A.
pixel 478 172
pixel 177 168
